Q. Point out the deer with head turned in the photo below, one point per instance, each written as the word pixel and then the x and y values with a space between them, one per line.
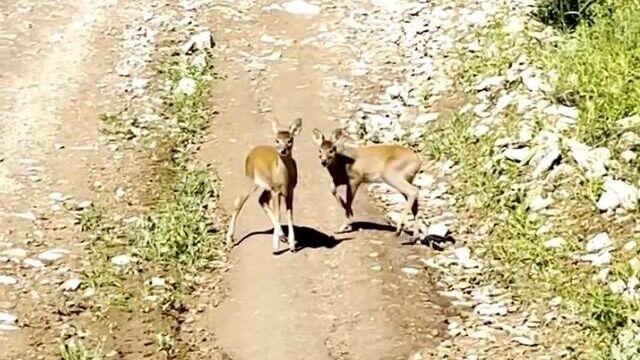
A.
pixel 351 167
pixel 273 171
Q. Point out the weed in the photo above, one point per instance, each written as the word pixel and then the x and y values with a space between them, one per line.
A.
pixel 166 345
pixel 598 70
pixel 77 351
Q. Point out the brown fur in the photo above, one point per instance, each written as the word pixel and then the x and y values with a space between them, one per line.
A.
pixel 350 167
pixel 273 170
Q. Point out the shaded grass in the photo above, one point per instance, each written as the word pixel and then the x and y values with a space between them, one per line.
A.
pixel 598 68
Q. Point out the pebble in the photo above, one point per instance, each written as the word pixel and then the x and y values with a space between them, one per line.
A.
pixel 71 285
pixel 33 263
pixel 554 243
pixel 53 255
pixel 200 41
pixel 519 155
pixel 121 260
pixel 410 271
pixel 491 309
pixel 7 280
pixel 186 86
pixel 301 7
pixel 438 229
pixel 8 319
pixel 14 253
pixel 598 242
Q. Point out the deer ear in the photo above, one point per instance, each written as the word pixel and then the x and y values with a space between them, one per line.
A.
pixel 275 126
pixel 295 126
pixel 318 136
pixel 336 135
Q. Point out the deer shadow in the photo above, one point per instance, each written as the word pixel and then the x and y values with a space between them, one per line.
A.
pixel 306 238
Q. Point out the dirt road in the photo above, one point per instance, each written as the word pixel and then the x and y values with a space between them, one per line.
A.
pixel 344 299
pixel 333 299
pixel 54 56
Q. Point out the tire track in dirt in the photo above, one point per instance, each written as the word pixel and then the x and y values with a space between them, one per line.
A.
pixel 53 85
pixel 331 300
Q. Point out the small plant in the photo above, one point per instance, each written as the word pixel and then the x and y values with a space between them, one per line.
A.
pixel 116 126
pixel 166 345
pixel 76 351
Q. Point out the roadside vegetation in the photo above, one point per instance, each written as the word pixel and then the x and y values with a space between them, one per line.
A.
pixel 149 254
pixel 593 65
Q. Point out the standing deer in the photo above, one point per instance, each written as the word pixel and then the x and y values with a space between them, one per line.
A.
pixel 394 165
pixel 273 171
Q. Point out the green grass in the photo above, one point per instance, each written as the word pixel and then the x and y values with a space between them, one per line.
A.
pixel 77 351
pixel 598 64
pixel 176 237
pixel 598 69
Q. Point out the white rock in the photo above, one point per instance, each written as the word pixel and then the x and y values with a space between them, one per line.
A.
pixel 439 229
pixel 121 260
pixel 630 246
pixel 7 280
pixel 489 83
pixel 598 242
pixel 410 271
pixel 14 253
pixel 71 285
pixel 478 18
pixel 594 161
pixel 201 41
pixel 598 259
pixel 531 80
pixel 556 301
pixel 7 327
pixel 554 243
pixel 504 101
pixel 480 130
pixel 58 197
pixel 463 255
pixel 6 318
pixel 617 287
pixel 186 86
pixel 603 274
pixel 28 215
pixel 519 155
pixel 424 119
pixel 616 193
pixel 266 38
pixel 562 111
pixel 514 25
pixel 300 7
pixel 539 203
pixel 522 340
pixel 33 263
pixel 628 155
pixel 629 122
pixel 83 205
pixel 53 254
pixel 634 264
pixel 546 162
pixel 491 309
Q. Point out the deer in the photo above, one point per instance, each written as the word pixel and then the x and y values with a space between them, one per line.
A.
pixel 273 171
pixel 351 167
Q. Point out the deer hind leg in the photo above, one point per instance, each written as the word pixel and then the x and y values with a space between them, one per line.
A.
pixel 399 182
pixel 276 202
pixel 264 200
pixel 291 233
pixel 238 204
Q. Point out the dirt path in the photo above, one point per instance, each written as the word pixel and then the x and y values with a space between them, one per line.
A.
pixel 55 68
pixel 331 300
